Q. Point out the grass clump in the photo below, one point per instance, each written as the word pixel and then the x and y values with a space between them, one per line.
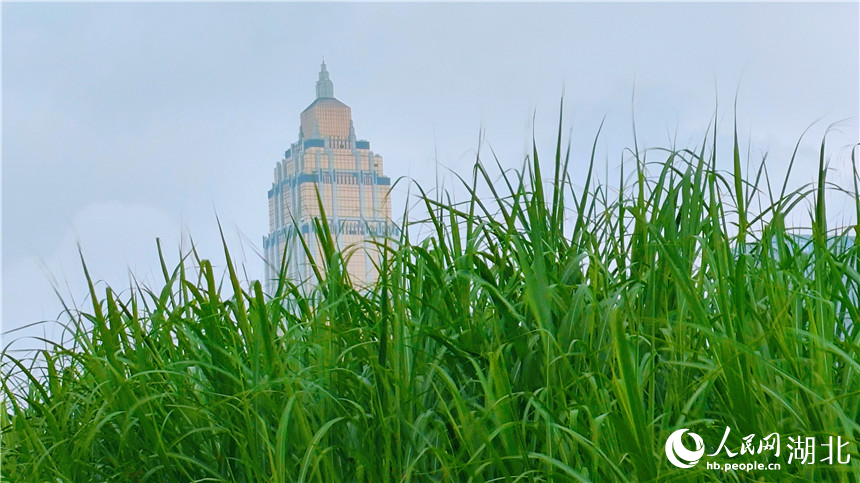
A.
pixel 539 334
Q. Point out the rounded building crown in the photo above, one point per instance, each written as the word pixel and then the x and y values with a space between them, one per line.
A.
pixel 326 116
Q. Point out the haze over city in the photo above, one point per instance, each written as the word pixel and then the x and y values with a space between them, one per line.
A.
pixel 127 122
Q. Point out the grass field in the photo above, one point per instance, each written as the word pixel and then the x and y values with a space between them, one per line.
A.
pixel 543 333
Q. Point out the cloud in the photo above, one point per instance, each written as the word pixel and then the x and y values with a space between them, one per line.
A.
pixel 116 239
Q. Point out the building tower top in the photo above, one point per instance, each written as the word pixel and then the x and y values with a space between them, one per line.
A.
pixel 327 171
pixel 325 87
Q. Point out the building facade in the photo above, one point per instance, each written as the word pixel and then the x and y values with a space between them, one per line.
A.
pixel 330 161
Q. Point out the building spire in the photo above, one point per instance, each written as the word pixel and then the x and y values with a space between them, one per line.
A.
pixel 325 88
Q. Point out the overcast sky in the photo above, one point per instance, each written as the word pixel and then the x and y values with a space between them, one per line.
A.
pixel 126 122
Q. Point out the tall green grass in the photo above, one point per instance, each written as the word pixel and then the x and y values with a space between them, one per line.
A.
pixel 543 333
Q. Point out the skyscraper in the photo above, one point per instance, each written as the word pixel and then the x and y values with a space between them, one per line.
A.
pixel 327 158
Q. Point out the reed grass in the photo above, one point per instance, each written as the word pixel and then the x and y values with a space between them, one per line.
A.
pixel 543 333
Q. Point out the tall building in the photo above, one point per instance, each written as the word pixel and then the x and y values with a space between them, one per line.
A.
pixel 328 159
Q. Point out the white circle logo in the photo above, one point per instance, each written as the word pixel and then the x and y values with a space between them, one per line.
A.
pixel 679 455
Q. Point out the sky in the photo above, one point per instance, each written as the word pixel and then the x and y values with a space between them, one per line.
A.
pixel 127 122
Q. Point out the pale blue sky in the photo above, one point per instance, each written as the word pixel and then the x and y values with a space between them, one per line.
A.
pixel 126 122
